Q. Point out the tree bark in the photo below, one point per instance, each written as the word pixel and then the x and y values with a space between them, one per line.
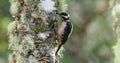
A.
pixel 116 28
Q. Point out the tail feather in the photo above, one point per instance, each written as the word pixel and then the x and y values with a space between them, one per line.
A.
pixel 58 49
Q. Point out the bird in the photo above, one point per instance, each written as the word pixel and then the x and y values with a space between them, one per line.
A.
pixel 64 30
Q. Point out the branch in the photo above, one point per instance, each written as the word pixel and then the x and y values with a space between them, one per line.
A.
pixel 98 12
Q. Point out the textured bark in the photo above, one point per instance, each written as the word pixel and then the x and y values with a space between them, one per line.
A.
pixel 116 27
pixel 33 34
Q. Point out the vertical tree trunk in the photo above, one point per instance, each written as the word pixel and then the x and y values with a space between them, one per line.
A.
pixel 33 34
pixel 116 27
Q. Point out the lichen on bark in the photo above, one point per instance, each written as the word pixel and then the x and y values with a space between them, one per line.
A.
pixel 33 34
pixel 116 28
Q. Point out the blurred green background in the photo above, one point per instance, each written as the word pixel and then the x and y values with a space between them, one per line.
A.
pixel 92 38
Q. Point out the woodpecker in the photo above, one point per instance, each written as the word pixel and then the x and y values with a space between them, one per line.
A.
pixel 64 30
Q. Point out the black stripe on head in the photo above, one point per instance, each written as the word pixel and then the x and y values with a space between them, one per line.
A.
pixel 64 14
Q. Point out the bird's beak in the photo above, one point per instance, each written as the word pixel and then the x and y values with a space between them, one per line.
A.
pixel 57 12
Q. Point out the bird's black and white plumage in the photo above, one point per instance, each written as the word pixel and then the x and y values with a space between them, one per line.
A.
pixel 64 30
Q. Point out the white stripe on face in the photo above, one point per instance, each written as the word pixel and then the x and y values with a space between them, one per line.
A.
pixel 66 17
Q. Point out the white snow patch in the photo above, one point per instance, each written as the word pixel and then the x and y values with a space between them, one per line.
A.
pixel 48 5
pixel 43 36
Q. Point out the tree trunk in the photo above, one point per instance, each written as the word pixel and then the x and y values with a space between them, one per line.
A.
pixel 33 34
pixel 116 27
